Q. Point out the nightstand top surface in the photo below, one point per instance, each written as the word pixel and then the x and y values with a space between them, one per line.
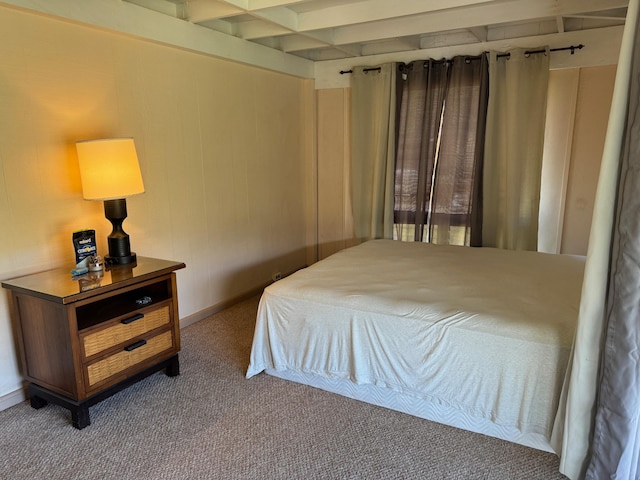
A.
pixel 59 285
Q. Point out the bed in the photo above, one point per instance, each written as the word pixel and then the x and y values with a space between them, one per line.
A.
pixel 475 338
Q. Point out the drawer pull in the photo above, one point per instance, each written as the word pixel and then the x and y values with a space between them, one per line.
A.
pixel 129 320
pixel 133 346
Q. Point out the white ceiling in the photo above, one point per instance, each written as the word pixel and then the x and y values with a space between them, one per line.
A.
pixel 321 30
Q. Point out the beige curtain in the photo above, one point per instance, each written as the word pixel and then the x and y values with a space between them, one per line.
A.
pixel 373 150
pixel 513 149
pixel 615 448
pixel 573 427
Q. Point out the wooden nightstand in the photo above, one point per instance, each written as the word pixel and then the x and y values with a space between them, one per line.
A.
pixel 82 340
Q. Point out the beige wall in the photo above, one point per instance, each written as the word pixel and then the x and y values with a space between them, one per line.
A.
pixel 556 159
pixel 576 125
pixel 593 101
pixel 225 152
pixel 335 226
pixel 577 115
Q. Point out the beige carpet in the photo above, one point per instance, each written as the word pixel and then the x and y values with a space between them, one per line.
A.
pixel 212 423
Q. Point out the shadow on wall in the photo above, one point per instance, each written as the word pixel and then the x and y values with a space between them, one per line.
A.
pixel 14 329
pixel 327 249
pixel 249 281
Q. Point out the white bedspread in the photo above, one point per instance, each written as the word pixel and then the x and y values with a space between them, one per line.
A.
pixel 482 331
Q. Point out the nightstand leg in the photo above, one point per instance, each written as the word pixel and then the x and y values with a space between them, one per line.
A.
pixel 80 417
pixel 37 402
pixel 173 367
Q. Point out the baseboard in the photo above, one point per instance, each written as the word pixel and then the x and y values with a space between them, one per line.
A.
pixel 12 398
pixel 218 307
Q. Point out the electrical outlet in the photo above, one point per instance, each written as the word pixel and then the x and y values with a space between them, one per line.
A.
pixel 276 276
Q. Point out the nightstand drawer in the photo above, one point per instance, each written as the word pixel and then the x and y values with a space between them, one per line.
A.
pixel 126 329
pixel 131 355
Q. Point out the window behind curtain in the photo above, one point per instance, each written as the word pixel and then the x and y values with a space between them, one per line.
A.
pixel 440 136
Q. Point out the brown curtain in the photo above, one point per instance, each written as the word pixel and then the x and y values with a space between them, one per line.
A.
pixel 457 192
pixel 440 146
pixel 423 86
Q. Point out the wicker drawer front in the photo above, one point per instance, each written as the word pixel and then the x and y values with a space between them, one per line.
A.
pixel 118 362
pixel 120 332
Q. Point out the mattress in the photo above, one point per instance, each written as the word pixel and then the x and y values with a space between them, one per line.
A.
pixel 476 338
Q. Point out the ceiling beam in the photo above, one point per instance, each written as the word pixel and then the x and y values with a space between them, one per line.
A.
pixel 280 16
pixel 162 6
pixel 463 37
pixel 598 17
pixel 240 4
pixel 307 41
pixel 393 45
pixel 293 43
pixel 244 6
pixel 254 29
pixel 199 12
pixel 259 4
pixel 475 16
pixel 279 20
pixel 374 10
pixel 481 33
pixel 350 50
pixel 222 26
pixel 380 10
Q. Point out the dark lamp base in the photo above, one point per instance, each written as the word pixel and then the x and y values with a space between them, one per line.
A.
pixel 123 260
pixel 118 241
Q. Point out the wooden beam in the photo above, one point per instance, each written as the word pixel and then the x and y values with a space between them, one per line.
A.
pixel 280 16
pixel 259 4
pixel 258 29
pixel 293 43
pixel 481 33
pixel 198 12
pixel 162 6
pixel 374 10
pixel 455 19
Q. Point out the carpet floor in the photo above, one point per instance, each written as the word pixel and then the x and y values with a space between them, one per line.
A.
pixel 212 423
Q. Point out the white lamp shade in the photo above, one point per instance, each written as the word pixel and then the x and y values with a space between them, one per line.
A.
pixel 109 168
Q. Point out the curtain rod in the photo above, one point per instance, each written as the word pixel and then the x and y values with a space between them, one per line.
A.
pixel 573 49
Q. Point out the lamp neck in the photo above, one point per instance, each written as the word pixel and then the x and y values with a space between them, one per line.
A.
pixel 118 240
pixel 115 209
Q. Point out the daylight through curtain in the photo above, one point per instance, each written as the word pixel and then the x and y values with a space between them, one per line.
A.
pixel 372 150
pixel 457 191
pixel 423 88
pixel 513 149
pixel 439 157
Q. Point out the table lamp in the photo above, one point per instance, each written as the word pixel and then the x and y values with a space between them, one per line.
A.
pixel 110 171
